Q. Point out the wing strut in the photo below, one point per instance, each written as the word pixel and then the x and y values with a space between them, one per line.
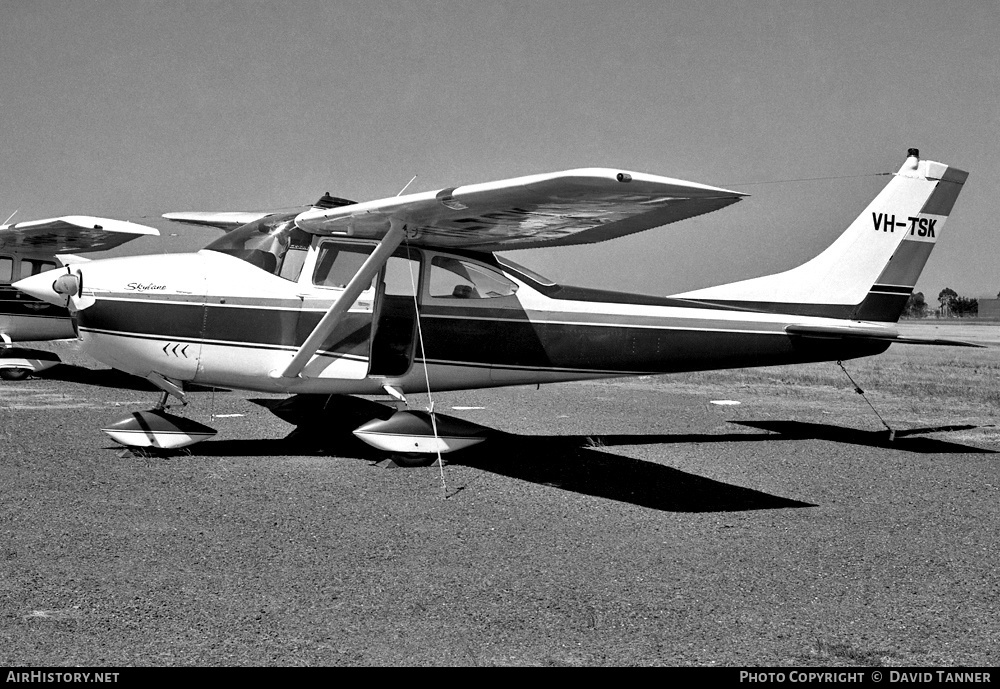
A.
pixel 357 285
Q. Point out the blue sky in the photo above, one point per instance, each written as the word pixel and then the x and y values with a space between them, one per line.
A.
pixel 133 109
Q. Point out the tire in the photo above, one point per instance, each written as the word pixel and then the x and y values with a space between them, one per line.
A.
pixel 14 373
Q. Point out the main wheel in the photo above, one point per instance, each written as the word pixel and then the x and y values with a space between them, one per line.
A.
pixel 14 373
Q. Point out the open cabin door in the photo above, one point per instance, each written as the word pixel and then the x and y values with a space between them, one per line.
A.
pixel 345 352
pixel 376 336
pixel 394 332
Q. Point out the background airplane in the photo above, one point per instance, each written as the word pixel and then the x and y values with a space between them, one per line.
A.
pixel 30 248
pixel 405 294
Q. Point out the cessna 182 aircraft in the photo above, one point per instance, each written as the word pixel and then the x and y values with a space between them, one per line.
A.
pixel 29 248
pixel 405 294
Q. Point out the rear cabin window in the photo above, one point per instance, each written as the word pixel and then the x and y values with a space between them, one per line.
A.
pixel 453 278
pixel 31 266
pixel 6 269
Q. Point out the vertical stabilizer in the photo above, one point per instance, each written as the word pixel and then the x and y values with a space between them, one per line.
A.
pixel 869 272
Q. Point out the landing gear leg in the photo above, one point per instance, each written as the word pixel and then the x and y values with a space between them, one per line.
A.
pixel 162 404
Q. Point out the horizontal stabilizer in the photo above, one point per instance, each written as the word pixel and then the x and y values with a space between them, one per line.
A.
pixel 868 333
pixel 71 233
pixel 902 339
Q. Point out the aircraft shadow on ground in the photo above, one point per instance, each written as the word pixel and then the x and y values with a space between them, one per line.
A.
pixel 906 440
pixel 579 464
pixel 582 464
pixel 564 462
pixel 576 463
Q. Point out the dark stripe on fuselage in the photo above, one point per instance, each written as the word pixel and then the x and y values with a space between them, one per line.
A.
pixel 881 307
pixel 892 289
pixel 252 326
pixel 621 347
pixel 238 345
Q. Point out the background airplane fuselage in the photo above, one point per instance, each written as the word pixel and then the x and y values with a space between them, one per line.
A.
pixel 23 317
pixel 214 319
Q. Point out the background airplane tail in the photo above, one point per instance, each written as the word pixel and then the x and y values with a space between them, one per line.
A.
pixel 869 272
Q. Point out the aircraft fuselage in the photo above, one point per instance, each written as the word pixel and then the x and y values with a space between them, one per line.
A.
pixel 221 320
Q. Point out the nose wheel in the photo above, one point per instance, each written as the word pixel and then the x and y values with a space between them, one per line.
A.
pixel 158 429
pixel 14 373
pixel 18 364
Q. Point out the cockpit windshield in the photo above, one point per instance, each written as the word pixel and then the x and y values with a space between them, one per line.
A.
pixel 273 244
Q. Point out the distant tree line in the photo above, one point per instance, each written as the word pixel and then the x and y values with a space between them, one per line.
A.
pixel 951 305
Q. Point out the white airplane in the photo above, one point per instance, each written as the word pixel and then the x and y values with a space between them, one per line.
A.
pixel 404 295
pixel 29 248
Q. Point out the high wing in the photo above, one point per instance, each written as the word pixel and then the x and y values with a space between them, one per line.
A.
pixel 70 233
pixel 556 209
pixel 227 220
pixel 231 220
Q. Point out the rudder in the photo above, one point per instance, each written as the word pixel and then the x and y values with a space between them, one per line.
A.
pixel 887 297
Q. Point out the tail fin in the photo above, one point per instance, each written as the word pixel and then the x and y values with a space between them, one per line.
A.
pixel 869 272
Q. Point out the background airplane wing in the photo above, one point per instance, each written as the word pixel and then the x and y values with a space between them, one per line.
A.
pixel 227 220
pixel 558 209
pixel 71 233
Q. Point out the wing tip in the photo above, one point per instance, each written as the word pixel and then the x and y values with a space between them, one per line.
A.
pixel 109 225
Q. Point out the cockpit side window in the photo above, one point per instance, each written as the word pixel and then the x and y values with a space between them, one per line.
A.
pixel 291 266
pixel 273 244
pixel 453 278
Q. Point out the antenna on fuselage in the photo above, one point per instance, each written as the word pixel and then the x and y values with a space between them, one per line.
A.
pixel 15 213
pixel 407 185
